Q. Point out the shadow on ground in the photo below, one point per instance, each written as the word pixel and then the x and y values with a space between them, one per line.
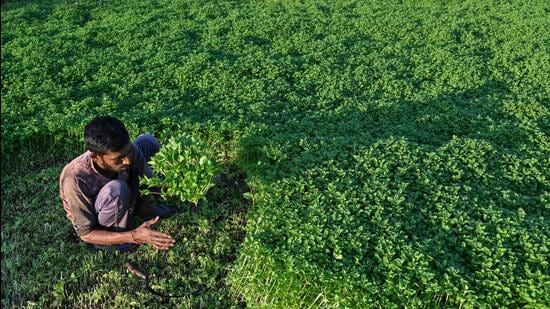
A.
pixel 62 271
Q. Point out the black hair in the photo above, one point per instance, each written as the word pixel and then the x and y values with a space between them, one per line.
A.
pixel 105 133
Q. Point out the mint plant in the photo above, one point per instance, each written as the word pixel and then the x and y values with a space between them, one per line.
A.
pixel 183 168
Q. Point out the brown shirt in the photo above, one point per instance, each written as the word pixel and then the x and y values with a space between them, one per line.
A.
pixel 80 183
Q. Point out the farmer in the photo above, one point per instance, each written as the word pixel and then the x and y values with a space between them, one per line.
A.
pixel 100 187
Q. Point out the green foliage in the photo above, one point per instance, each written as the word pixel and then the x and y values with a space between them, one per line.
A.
pixel 397 151
pixel 46 266
pixel 183 168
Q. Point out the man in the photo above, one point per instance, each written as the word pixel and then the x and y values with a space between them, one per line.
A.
pixel 99 187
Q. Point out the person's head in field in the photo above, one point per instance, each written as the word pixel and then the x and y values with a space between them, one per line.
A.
pixel 109 142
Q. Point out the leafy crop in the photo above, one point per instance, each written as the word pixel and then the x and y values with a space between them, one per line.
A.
pixel 67 273
pixel 184 168
pixel 397 151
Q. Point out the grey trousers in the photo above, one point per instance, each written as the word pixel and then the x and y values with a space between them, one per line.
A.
pixel 112 203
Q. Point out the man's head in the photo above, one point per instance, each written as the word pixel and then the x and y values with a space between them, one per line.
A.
pixel 108 141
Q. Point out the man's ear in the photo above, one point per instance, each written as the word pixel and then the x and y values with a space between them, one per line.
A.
pixel 94 156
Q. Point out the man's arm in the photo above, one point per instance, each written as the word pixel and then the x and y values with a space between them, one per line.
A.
pixel 144 234
pixel 103 237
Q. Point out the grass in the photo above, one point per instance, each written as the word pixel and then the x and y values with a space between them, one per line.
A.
pixel 397 152
pixel 45 264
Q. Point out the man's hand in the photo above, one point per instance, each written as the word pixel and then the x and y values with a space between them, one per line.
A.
pixel 144 234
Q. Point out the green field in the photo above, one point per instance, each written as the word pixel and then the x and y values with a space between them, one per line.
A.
pixel 395 153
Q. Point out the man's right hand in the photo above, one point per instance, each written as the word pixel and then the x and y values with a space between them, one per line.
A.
pixel 144 234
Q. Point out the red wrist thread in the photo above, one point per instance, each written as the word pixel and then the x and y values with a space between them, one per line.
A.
pixel 133 238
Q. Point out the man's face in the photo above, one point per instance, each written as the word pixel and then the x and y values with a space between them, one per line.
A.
pixel 115 161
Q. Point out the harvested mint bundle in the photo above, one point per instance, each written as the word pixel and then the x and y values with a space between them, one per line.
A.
pixel 183 168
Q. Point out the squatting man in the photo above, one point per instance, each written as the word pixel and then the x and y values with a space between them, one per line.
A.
pixel 100 189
